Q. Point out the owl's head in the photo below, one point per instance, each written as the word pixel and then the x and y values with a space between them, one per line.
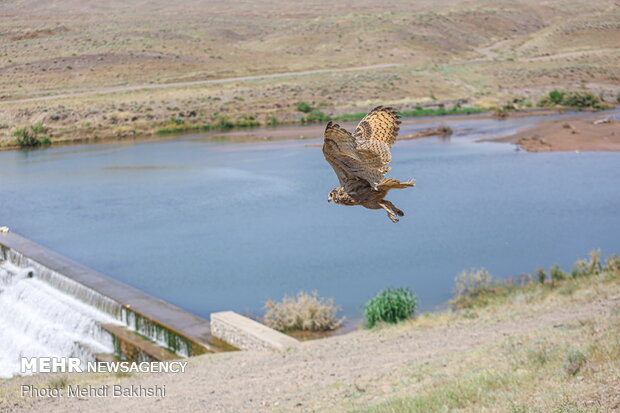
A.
pixel 339 196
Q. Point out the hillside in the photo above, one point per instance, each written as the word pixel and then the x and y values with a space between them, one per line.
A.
pixel 91 61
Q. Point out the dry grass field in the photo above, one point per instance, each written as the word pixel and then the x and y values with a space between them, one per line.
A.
pixel 118 69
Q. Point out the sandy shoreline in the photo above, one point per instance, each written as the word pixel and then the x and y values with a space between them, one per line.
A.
pixel 279 133
pixel 583 132
pixel 575 133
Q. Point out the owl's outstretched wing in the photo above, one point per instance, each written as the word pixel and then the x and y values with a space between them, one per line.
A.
pixel 375 135
pixel 341 151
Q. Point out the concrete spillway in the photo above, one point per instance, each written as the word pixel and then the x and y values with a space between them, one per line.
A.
pixel 52 306
pixel 38 320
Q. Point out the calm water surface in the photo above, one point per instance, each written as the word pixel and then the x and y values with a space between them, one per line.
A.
pixel 215 226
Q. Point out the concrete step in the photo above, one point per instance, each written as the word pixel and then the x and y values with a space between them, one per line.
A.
pixel 247 334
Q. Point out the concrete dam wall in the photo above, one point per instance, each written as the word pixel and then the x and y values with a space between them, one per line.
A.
pixel 53 306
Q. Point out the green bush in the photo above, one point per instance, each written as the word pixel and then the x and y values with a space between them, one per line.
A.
pixel 575 99
pixel 304 107
pixel 542 275
pixel 557 274
pixel 556 96
pixel 390 306
pixel 273 121
pixel 580 99
pixel 315 116
pixel 246 121
pixel 26 138
pixel 29 137
pixel 223 123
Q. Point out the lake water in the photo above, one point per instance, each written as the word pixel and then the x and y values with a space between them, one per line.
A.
pixel 213 226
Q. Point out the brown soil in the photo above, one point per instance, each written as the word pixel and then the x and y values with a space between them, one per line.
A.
pixel 587 132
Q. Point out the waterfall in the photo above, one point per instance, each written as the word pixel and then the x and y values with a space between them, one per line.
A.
pixel 39 319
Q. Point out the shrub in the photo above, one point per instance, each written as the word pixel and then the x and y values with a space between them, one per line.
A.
pixel 304 107
pixel 574 362
pixel 307 312
pixel 594 265
pixel 542 275
pixel 29 137
pixel 223 123
pixel 472 281
pixel 38 128
pixel 612 264
pixel 556 96
pixel 390 306
pixel 273 121
pixel 580 99
pixel 474 288
pixel 618 98
pixel 26 138
pixel 246 121
pixel 576 99
pixel 315 116
pixel 557 274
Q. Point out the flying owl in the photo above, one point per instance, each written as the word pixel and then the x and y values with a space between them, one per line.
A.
pixel 360 161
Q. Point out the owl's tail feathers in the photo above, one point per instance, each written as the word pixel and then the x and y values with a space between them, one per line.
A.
pixel 391 183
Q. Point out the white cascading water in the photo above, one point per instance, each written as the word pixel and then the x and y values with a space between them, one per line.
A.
pixel 37 320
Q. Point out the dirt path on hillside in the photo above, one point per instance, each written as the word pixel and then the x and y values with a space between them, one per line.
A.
pixel 322 374
pixel 114 89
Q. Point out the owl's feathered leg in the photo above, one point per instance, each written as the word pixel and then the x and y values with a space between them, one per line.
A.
pixel 391 210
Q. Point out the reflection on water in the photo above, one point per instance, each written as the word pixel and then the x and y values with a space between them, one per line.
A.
pixel 215 226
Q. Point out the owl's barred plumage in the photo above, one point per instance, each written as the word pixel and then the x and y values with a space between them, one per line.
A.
pixel 360 161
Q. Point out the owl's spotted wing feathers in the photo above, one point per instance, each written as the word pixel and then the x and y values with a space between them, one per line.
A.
pixel 341 151
pixel 376 133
